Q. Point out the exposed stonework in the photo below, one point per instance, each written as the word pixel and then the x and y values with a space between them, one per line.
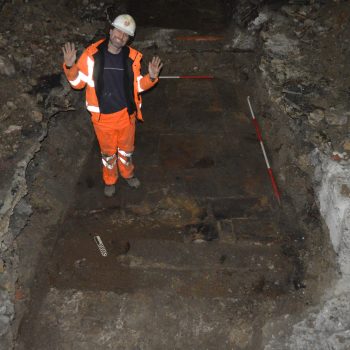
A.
pixel 303 70
pixel 32 94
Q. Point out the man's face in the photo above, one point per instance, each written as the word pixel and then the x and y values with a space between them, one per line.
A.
pixel 118 38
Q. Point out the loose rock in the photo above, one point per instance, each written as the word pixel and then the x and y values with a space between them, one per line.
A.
pixel 316 117
pixel 6 67
pixel 13 128
pixel 37 116
pixel 334 118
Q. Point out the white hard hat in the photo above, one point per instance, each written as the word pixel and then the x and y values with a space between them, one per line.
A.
pixel 125 23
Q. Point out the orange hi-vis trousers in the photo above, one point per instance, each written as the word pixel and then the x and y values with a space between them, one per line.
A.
pixel 115 133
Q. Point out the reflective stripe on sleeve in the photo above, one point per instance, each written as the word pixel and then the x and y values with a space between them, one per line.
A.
pixel 79 78
pixel 93 108
pixel 139 89
pixel 83 77
pixel 90 64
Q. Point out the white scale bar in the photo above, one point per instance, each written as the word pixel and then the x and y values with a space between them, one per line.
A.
pixel 100 245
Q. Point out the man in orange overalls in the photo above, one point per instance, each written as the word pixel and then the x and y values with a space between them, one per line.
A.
pixel 111 72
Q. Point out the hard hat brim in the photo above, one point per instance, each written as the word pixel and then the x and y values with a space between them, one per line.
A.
pixel 123 30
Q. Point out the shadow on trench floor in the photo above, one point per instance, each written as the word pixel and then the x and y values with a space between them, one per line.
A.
pixel 194 256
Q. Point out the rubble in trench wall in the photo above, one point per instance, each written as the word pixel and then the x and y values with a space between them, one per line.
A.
pixel 34 97
pixel 306 74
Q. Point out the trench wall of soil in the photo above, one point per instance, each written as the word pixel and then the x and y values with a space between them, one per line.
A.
pixel 304 117
pixel 49 180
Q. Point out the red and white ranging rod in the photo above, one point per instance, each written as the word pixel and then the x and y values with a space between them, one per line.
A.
pixel 186 77
pixel 258 133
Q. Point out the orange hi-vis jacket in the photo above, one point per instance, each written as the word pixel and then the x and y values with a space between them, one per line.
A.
pixel 88 72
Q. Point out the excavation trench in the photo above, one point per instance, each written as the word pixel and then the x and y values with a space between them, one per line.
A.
pixel 202 248
pixel 201 256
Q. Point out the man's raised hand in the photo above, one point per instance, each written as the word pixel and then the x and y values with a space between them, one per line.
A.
pixel 154 67
pixel 69 54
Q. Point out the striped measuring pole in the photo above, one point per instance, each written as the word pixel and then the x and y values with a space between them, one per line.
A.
pixel 186 77
pixel 258 133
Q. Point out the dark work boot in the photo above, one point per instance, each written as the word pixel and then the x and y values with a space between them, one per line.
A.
pixel 133 182
pixel 109 190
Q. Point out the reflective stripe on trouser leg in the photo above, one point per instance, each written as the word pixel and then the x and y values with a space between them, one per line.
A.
pixel 125 164
pixel 109 161
pixel 110 169
pixel 126 155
